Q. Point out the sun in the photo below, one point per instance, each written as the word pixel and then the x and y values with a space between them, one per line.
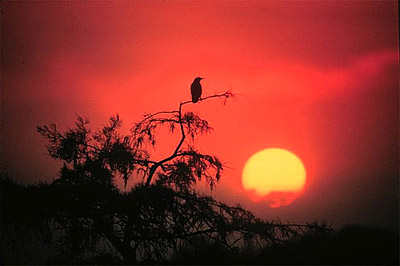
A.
pixel 275 175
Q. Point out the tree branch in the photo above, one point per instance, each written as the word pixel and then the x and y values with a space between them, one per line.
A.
pixel 154 167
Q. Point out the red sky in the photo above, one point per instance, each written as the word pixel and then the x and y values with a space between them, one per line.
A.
pixel 317 78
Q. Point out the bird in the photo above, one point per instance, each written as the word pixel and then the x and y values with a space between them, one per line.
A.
pixel 195 89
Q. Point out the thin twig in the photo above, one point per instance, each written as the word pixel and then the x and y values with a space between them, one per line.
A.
pixel 154 167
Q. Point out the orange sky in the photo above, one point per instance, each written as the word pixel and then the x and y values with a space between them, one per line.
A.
pixel 317 78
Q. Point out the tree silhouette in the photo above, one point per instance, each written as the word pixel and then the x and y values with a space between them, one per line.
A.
pixel 93 222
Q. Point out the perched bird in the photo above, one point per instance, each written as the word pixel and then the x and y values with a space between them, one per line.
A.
pixel 195 88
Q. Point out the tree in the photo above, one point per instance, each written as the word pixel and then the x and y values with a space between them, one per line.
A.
pixel 94 222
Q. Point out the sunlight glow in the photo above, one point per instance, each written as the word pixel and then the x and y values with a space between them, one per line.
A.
pixel 276 175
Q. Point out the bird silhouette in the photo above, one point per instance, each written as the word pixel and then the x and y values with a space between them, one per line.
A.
pixel 195 88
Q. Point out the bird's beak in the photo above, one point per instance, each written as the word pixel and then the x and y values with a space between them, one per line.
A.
pixel 201 78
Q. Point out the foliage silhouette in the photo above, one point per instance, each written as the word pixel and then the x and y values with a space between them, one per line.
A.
pixel 86 219
pixel 352 245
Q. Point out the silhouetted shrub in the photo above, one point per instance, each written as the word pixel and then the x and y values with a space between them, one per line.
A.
pixel 85 219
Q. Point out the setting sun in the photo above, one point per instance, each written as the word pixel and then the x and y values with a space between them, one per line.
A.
pixel 276 175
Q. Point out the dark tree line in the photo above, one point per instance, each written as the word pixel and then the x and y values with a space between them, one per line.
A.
pixel 84 218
